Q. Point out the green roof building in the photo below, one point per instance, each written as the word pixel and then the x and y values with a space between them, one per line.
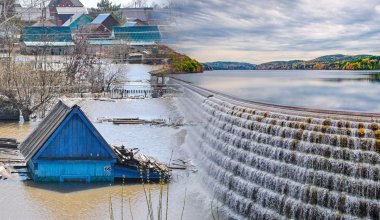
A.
pixel 51 40
pixel 137 35
pixel 77 21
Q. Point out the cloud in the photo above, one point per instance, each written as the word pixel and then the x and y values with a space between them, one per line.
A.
pixel 259 31
pixel 377 9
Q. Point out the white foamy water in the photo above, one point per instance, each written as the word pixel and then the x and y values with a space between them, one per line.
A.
pixel 262 163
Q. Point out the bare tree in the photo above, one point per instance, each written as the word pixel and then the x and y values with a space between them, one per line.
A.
pixel 138 4
pixel 30 88
pixel 7 9
pixel 112 76
pixel 79 60
pixel 9 37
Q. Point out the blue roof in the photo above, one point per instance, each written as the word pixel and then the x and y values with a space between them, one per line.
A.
pixel 100 18
pixel 46 34
pixel 75 138
pixel 138 33
pixel 66 133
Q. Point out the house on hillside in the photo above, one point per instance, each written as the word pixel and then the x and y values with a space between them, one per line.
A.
pixel 64 3
pixel 47 40
pixel 101 26
pixel 106 20
pixel 137 35
pixel 77 21
pixel 67 147
pixel 62 10
pixel 65 13
pixel 149 16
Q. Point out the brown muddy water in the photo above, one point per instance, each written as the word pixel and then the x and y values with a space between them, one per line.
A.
pixel 28 200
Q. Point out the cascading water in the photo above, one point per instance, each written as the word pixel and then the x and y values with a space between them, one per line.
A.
pixel 263 163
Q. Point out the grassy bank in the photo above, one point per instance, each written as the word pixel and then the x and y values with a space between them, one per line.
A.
pixel 177 63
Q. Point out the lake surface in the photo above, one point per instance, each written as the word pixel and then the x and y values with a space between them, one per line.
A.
pixel 332 90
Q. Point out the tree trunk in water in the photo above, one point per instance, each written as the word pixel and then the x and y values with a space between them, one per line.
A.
pixel 10 110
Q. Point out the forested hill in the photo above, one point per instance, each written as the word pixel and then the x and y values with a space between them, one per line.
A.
pixel 331 62
pixel 221 65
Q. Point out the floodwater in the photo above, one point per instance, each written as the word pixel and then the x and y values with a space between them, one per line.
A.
pixel 28 200
pixel 332 90
pixel 137 76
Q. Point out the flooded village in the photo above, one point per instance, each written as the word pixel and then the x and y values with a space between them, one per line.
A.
pixel 90 127
pixel 159 132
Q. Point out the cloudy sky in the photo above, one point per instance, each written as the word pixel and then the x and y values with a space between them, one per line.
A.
pixel 257 31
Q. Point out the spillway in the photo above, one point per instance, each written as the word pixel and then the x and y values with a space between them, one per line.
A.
pixel 264 161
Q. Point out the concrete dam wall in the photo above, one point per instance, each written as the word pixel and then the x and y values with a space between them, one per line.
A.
pixel 265 161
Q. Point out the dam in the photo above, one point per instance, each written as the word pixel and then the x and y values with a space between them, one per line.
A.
pixel 262 161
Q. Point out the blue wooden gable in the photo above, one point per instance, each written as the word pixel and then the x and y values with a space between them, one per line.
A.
pixel 75 139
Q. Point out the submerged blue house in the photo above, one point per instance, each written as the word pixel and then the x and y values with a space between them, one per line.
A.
pixel 67 147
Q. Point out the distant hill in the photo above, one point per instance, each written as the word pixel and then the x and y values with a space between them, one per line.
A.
pixel 277 65
pixel 339 57
pixel 222 65
pixel 330 62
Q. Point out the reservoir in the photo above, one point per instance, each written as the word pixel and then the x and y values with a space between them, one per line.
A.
pixel 331 90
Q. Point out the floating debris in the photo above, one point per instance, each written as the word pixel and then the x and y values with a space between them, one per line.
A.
pixel 19 170
pixel 8 143
pixel 171 122
pixel 119 121
pixel 104 99
pixel 181 164
pixel 136 121
pixel 132 158
pixel 103 119
pixel 177 168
